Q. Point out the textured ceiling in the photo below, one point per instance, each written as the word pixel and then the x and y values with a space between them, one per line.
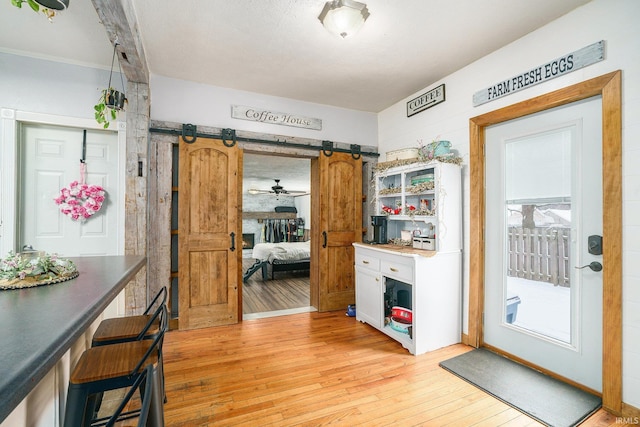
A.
pixel 279 48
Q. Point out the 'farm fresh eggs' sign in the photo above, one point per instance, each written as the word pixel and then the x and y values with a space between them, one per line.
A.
pixel 563 65
pixel 267 116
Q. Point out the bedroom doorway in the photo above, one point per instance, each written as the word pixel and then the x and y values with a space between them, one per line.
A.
pixel 276 224
pixel 168 157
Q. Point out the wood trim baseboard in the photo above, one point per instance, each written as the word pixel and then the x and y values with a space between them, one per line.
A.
pixel 464 339
pixel 609 86
pixel 629 411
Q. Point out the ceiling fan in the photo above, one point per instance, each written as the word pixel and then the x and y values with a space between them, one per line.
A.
pixel 277 189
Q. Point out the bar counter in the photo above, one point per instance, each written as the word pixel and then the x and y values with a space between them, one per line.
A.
pixel 38 325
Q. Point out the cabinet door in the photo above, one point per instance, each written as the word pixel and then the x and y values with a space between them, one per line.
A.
pixel 369 297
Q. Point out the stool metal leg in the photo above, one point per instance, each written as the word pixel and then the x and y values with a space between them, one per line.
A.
pixel 76 413
pixel 156 412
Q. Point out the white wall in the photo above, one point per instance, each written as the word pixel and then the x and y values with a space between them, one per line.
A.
pixel 303 204
pixel 188 102
pixel 42 91
pixel 611 20
pixel 41 86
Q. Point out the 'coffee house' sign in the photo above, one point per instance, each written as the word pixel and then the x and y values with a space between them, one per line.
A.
pixel 563 65
pixel 275 118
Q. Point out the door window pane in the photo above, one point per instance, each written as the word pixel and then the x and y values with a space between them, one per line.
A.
pixel 538 236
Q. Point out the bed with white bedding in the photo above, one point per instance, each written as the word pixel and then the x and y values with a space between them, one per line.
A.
pixel 284 256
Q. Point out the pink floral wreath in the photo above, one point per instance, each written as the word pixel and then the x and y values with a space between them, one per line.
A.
pixel 80 201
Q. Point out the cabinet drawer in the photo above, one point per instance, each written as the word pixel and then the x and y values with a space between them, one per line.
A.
pixel 367 261
pixel 398 269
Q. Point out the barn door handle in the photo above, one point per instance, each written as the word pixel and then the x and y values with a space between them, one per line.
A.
pixel 594 266
pixel 324 237
pixel 233 241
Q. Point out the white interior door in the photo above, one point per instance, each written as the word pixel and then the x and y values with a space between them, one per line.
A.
pixel 50 160
pixel 543 200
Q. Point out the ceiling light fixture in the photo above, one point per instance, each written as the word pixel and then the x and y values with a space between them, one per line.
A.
pixel 343 17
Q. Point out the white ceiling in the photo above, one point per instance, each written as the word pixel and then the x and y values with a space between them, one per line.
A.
pixel 279 48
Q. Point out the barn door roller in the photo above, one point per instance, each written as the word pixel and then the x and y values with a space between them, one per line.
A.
pixel 229 134
pixel 327 148
pixel 189 133
pixel 355 151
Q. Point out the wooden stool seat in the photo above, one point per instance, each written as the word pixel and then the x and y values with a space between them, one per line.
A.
pixel 121 329
pixel 111 361
pixel 131 328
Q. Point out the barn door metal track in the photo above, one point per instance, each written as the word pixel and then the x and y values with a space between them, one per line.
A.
pixel 189 133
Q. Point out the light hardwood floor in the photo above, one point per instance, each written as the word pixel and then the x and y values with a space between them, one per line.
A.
pixel 289 290
pixel 318 369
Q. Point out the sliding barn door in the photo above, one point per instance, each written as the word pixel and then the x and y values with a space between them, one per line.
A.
pixel 337 210
pixel 209 234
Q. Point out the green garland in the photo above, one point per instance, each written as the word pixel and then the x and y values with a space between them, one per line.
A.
pixel 388 191
pixel 421 188
pixel 399 242
pixel 382 166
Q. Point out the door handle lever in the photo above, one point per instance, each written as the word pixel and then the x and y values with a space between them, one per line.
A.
pixel 594 266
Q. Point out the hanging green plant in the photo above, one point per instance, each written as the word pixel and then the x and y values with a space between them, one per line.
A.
pixel 111 100
pixel 106 110
pixel 48 7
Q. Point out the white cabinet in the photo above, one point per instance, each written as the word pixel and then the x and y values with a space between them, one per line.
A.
pixel 368 307
pixel 426 282
pixel 424 285
pixel 422 196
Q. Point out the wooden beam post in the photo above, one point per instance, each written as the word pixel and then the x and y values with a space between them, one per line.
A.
pixel 118 18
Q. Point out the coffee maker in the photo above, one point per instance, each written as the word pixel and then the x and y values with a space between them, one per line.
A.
pixel 379 224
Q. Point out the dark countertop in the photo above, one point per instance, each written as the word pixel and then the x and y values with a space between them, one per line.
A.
pixel 38 325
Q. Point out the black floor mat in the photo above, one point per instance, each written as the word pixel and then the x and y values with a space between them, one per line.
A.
pixel 546 399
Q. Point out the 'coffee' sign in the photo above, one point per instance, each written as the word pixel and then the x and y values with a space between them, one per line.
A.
pixel 563 65
pixel 426 100
pixel 267 116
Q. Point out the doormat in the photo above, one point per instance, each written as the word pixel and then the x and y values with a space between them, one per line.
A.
pixel 548 400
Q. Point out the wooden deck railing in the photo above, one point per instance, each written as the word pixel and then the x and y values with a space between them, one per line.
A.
pixel 540 254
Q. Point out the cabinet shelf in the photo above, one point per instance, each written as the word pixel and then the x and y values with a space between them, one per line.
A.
pixel 433 188
pixel 398 336
pixel 422 193
pixel 413 218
